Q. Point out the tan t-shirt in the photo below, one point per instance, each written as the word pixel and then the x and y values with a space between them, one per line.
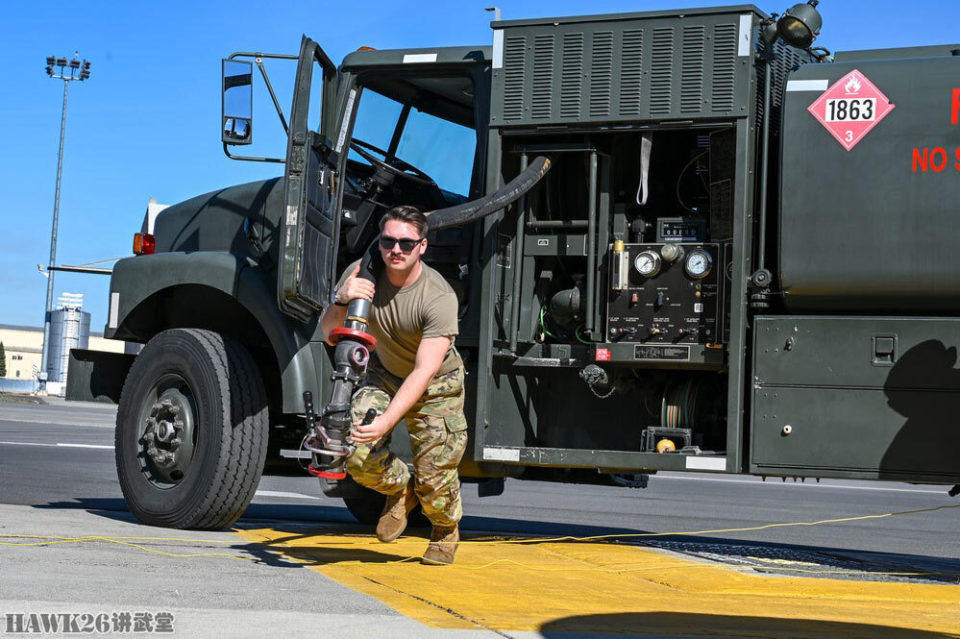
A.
pixel 401 317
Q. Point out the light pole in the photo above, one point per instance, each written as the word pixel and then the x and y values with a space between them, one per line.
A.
pixel 70 70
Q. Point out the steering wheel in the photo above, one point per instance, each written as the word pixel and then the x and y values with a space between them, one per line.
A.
pixel 393 165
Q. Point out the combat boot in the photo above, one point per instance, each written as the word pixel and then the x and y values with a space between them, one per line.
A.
pixel 393 519
pixel 443 546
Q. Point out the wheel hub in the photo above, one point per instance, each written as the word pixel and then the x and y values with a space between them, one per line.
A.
pixel 166 430
pixel 168 435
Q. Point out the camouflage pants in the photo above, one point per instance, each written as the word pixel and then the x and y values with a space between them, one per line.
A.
pixel 438 438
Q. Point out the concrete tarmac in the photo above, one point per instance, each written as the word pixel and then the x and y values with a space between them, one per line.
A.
pixel 296 563
pixel 214 584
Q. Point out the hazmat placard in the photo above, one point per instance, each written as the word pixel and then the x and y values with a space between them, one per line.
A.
pixel 850 108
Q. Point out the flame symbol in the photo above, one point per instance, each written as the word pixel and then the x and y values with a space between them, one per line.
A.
pixel 853 85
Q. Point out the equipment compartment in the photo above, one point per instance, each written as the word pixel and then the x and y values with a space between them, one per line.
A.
pixel 617 287
pixel 861 397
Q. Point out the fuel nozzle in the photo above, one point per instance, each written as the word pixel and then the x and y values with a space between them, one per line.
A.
pixel 326 439
pixel 327 436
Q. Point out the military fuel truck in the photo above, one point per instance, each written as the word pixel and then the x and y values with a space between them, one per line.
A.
pixel 683 240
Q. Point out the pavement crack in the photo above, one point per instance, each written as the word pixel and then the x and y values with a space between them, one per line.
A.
pixel 633 575
pixel 449 611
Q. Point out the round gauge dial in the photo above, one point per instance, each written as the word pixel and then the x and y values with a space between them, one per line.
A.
pixel 698 264
pixel 647 263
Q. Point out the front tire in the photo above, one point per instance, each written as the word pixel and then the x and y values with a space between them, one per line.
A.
pixel 192 430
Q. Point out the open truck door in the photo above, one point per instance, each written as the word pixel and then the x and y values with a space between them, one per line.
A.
pixel 312 188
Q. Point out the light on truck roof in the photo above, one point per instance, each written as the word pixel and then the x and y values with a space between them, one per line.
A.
pixel 800 25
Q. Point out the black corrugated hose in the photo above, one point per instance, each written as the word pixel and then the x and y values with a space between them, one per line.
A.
pixel 468 211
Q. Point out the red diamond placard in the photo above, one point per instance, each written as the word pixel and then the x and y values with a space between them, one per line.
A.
pixel 850 108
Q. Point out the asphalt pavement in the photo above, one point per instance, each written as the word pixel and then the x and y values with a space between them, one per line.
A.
pixel 70 546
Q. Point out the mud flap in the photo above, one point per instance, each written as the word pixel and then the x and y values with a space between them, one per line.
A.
pixel 96 376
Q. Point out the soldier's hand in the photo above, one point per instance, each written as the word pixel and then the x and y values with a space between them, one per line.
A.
pixel 368 433
pixel 355 288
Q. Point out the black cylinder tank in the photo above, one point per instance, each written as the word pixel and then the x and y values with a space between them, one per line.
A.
pixel 875 227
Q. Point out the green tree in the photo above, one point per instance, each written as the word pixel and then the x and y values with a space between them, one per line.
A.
pixel 3 361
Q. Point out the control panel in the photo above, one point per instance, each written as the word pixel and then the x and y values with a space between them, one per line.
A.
pixel 665 293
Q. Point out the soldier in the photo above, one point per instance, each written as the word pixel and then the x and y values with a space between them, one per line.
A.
pixel 415 375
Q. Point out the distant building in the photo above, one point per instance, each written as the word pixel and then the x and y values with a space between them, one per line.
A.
pixel 23 346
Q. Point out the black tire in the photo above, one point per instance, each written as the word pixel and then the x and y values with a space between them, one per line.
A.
pixel 367 508
pixel 192 429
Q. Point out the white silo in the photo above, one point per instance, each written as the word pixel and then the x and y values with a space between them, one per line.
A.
pixel 69 328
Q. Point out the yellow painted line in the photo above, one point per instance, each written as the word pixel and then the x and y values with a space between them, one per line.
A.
pixel 564 587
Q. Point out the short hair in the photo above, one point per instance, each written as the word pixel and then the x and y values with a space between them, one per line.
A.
pixel 406 213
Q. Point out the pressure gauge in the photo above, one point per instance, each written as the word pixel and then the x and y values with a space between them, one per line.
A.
pixel 698 264
pixel 647 263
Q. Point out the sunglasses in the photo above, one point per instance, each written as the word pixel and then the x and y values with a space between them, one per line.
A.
pixel 406 244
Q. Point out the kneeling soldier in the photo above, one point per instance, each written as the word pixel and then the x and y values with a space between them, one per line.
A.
pixel 416 375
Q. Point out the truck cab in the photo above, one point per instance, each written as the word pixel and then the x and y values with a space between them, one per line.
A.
pixel 243 272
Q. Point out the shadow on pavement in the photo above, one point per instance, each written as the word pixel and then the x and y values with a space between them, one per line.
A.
pixel 116 508
pixel 278 552
pixel 316 520
pixel 298 521
pixel 683 625
pixel 111 508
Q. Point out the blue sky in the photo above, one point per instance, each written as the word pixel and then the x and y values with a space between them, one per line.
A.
pixel 147 122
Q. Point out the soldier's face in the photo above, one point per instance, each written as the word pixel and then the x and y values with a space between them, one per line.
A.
pixel 394 257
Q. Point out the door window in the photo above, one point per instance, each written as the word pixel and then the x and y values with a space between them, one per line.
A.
pixel 442 149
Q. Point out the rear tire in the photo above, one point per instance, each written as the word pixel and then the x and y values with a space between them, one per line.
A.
pixel 192 429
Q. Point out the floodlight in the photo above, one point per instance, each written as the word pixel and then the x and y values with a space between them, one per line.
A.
pixel 800 25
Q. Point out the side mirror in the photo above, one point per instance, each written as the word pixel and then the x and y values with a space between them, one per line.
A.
pixel 237 112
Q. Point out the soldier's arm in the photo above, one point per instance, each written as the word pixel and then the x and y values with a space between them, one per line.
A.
pixel 331 318
pixel 350 287
pixel 430 356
